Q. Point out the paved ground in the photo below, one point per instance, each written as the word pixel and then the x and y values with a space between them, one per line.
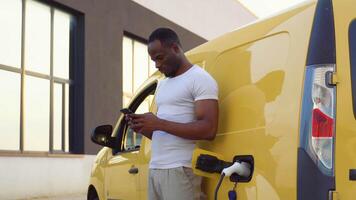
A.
pixel 71 197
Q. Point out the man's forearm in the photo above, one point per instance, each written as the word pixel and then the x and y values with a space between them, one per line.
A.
pixel 198 130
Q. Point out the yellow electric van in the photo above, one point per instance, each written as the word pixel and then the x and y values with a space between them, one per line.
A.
pixel 287 98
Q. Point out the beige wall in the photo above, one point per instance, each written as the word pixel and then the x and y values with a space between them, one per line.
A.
pixel 33 177
pixel 105 23
pixel 100 88
pixel 206 18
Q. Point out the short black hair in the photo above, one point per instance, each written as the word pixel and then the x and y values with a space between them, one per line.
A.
pixel 165 35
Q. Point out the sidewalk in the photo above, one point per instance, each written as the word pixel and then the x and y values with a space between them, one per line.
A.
pixel 70 197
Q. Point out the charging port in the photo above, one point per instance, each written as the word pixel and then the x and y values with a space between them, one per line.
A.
pixel 212 164
pixel 247 159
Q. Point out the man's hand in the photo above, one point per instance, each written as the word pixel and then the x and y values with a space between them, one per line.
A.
pixel 143 123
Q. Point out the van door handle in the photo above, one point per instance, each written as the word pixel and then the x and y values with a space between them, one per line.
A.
pixel 133 170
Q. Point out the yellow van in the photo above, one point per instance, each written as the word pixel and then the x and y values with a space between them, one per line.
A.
pixel 287 97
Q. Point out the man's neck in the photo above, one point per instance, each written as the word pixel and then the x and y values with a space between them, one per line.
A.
pixel 183 68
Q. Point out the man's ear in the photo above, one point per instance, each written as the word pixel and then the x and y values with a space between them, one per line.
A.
pixel 176 48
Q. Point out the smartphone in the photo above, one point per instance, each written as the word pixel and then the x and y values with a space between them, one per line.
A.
pixel 126 111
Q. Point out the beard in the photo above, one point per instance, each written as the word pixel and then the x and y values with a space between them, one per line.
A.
pixel 171 73
pixel 172 68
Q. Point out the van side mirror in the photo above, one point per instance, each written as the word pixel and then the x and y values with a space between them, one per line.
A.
pixel 102 136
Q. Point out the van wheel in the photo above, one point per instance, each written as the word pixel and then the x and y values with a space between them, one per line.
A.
pixel 92 194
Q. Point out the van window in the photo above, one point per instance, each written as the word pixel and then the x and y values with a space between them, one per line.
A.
pixel 352 43
pixel 127 139
pixel 132 139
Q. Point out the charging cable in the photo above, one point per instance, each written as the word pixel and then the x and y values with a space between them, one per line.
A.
pixel 241 169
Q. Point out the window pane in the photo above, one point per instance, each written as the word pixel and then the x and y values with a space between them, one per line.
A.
pixel 66 118
pixel 61 44
pixel 140 64
pixel 153 68
pixel 37 37
pixel 127 65
pixel 36 114
pixel 129 142
pixel 9 110
pixel 10 34
pixel 133 139
pixel 138 140
pixel 57 116
pixel 126 101
pixel 144 107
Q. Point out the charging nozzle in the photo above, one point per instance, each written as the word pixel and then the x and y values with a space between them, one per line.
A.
pixel 242 169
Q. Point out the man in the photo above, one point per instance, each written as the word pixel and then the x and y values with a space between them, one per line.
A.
pixel 187 111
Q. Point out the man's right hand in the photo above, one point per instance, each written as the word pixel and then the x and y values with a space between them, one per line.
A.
pixel 137 126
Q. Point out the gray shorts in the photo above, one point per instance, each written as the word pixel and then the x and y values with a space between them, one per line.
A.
pixel 174 184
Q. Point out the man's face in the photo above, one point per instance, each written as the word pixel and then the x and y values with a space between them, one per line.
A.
pixel 166 57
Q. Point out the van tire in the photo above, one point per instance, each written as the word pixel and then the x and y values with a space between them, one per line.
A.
pixel 92 194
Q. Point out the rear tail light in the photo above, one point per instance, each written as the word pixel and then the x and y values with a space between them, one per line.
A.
pixel 318 118
pixel 322 125
pixel 316 166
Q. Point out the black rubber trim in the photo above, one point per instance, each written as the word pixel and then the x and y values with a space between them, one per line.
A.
pixel 352 50
pixel 312 184
pixel 322 39
pixel 211 164
pixel 352 175
pixel 243 158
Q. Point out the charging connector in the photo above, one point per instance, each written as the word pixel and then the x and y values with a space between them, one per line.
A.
pixel 242 169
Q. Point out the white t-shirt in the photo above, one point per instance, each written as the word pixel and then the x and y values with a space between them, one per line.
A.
pixel 175 99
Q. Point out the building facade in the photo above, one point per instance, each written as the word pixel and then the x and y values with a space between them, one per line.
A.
pixel 61 75
pixel 66 67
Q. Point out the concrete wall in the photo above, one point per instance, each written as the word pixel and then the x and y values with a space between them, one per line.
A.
pixel 29 177
pixel 207 18
pixel 105 23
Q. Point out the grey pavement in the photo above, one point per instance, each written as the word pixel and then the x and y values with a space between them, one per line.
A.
pixel 67 197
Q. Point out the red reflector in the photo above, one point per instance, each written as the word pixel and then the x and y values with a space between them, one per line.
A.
pixel 322 124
